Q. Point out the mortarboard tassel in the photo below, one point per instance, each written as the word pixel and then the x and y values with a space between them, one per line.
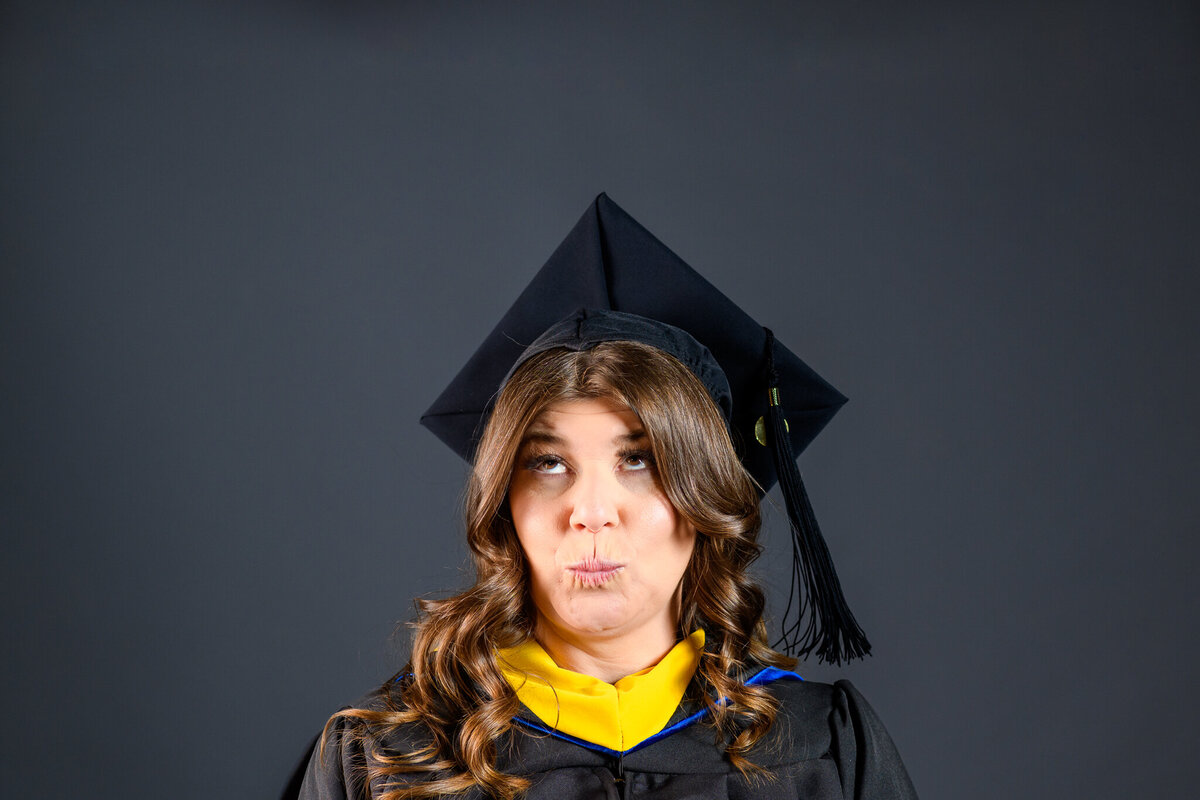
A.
pixel 822 621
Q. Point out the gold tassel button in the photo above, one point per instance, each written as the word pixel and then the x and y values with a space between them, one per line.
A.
pixel 760 430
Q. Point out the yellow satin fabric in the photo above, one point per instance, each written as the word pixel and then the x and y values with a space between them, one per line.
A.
pixel 614 715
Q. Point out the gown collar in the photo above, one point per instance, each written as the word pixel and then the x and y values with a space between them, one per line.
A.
pixel 616 716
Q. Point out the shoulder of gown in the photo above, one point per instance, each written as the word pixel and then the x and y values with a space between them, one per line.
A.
pixel 819 722
pixel 336 768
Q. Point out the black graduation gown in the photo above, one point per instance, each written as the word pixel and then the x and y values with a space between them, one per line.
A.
pixel 826 744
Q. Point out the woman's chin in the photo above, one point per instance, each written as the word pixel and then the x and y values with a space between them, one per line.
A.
pixel 597 616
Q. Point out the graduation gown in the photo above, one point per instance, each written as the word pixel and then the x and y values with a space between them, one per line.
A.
pixel 826 744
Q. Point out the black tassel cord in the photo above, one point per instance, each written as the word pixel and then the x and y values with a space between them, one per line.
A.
pixel 818 619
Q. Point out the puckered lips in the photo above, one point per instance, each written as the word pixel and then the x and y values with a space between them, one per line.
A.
pixel 593 572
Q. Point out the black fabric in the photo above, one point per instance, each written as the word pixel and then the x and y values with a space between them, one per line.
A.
pixel 588 327
pixel 826 744
pixel 610 262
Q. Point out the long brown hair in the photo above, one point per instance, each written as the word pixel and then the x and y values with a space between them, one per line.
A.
pixel 452 693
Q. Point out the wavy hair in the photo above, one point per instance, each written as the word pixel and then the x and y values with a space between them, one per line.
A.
pixel 452 693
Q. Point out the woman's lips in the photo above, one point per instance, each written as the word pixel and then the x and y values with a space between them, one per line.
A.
pixel 594 571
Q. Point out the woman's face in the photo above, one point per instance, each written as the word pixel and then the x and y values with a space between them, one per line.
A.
pixel 606 549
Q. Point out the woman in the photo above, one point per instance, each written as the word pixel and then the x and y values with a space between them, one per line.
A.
pixel 612 643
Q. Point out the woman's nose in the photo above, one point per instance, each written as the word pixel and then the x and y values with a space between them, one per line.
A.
pixel 594 503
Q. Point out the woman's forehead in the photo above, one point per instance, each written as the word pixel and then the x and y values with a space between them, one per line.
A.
pixel 587 415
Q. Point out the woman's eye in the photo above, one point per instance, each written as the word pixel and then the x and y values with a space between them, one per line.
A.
pixel 632 462
pixel 548 465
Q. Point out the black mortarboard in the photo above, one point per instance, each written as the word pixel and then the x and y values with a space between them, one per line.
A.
pixel 610 263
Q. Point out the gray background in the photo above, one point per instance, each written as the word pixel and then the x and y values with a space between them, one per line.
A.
pixel 245 244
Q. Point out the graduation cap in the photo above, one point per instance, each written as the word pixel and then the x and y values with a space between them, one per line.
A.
pixel 611 279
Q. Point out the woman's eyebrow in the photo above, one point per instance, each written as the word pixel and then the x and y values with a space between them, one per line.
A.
pixel 541 436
